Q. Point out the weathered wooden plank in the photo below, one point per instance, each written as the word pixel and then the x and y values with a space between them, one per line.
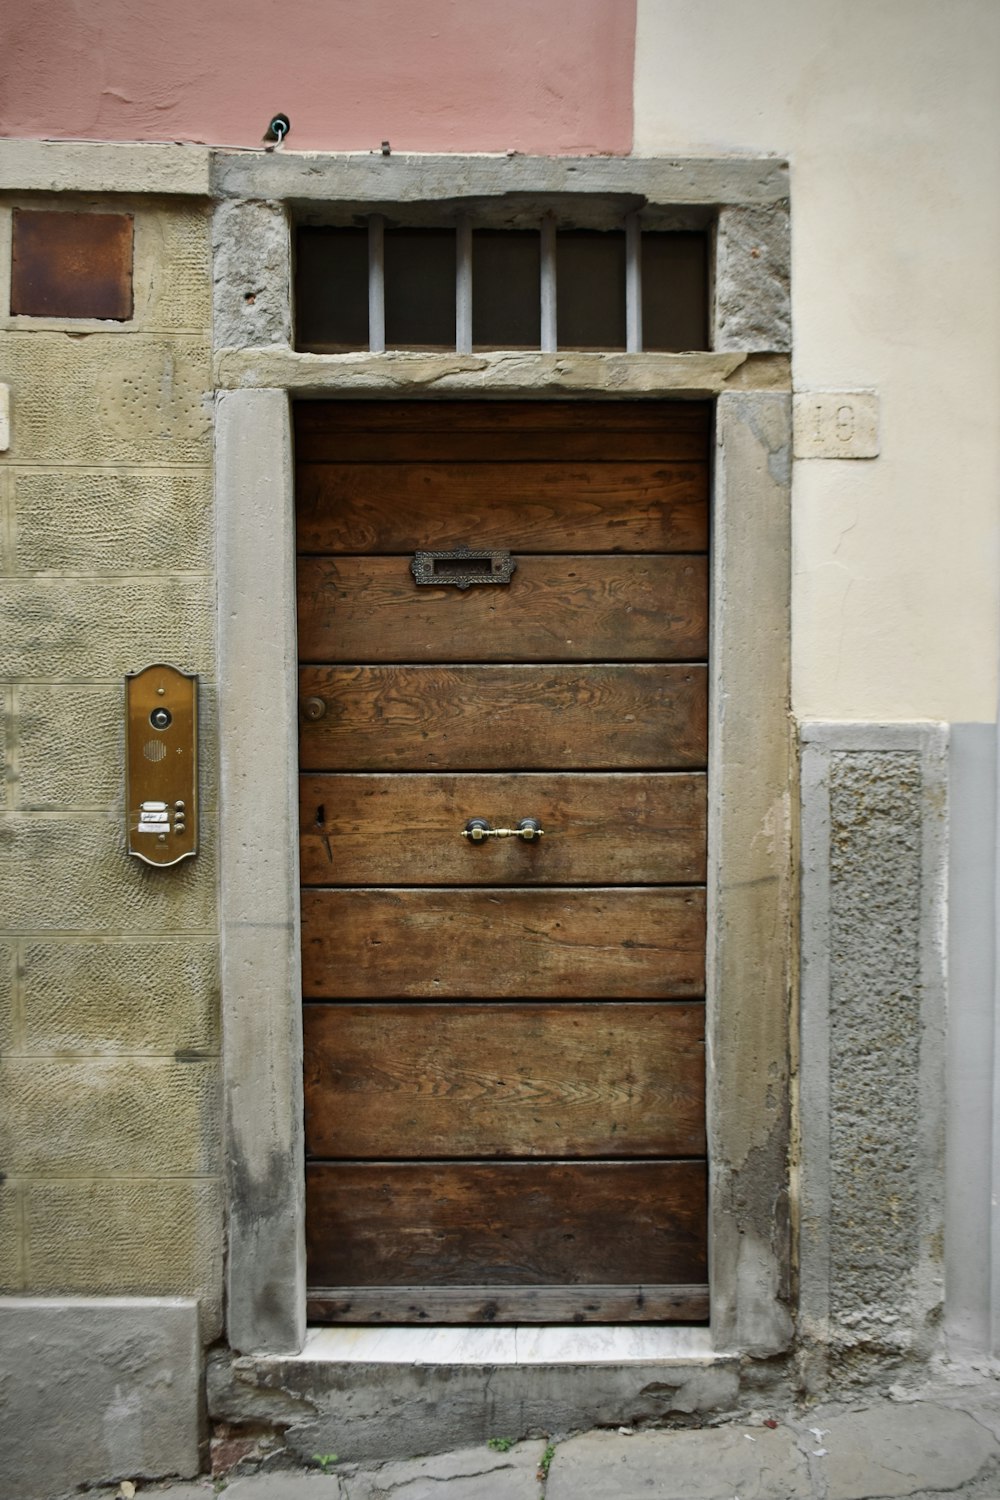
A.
pixel 554 943
pixel 504 1080
pixel 369 609
pixel 570 506
pixel 504 1304
pixel 506 1224
pixel 600 828
pixel 341 431
pixel 504 718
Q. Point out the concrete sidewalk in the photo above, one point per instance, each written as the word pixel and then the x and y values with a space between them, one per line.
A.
pixel 941 1438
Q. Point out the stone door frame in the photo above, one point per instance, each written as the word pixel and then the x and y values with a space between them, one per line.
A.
pixel 751 903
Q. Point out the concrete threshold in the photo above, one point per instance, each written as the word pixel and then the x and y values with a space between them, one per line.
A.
pixel 380 1393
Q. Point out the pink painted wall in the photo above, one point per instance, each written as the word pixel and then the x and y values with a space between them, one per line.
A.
pixel 547 76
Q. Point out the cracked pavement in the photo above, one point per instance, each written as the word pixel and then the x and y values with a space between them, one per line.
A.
pixel 901 1445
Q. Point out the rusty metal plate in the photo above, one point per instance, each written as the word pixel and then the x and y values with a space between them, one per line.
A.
pixel 71 265
pixel 162 764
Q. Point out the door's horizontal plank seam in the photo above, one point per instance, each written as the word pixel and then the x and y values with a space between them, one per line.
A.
pixel 519 884
pixel 493 1164
pixel 501 1159
pixel 310 1001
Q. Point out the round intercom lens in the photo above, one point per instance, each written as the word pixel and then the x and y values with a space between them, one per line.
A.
pixel 161 718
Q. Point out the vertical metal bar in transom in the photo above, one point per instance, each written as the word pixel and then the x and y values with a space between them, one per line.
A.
pixel 633 285
pixel 376 284
pixel 548 285
pixel 463 286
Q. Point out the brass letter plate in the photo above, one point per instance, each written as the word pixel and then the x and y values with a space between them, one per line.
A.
pixel 161 755
pixel 462 567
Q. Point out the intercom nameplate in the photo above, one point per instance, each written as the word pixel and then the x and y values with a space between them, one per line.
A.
pixel 161 758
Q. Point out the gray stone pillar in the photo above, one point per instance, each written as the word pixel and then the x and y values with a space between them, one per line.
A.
pixel 261 987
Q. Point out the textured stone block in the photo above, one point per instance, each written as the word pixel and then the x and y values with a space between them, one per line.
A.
pixel 251 275
pixel 876 839
pixel 100 521
pixel 85 629
pixel 71 746
pixel 753 309
pixel 117 1382
pixel 83 881
pixel 11 1236
pixel 110 1117
pixel 875 831
pixel 105 167
pixel 6 496
pixel 6 747
pixel 7 960
pixel 128 1238
pixel 173 271
pixel 108 398
pixel 126 997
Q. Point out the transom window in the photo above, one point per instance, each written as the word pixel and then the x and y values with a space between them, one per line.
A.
pixel 466 288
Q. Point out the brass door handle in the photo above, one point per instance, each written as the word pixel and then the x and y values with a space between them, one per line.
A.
pixel 478 830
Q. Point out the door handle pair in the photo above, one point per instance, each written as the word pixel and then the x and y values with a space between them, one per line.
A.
pixel 478 830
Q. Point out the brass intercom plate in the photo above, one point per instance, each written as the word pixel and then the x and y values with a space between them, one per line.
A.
pixel 161 757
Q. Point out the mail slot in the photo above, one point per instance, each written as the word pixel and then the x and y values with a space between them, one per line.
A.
pixel 161 760
pixel 462 567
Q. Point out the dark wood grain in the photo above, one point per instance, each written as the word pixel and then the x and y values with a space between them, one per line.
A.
pixel 542 507
pixel 368 609
pixel 470 445
pixel 618 944
pixel 506 1224
pixel 504 1080
pixel 504 1304
pixel 347 431
pixel 573 717
pixel 485 1022
pixel 600 828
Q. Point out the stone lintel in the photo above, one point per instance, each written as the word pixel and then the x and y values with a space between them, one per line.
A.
pixel 448 374
pixel 368 178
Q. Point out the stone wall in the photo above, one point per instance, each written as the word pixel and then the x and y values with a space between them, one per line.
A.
pixel 109 1029
pixel 872 1072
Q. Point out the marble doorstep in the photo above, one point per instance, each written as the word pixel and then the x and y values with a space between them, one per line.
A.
pixel 504 1346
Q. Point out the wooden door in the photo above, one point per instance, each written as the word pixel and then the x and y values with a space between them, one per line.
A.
pixel 504 1072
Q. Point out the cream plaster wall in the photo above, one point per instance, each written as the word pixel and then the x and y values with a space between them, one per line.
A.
pixel 110 1135
pixel 889 111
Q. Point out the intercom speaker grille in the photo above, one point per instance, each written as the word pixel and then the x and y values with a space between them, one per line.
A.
pixel 154 750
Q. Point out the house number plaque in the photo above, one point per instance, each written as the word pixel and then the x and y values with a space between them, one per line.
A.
pixel 462 568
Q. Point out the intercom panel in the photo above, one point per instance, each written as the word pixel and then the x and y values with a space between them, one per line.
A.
pixel 161 705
